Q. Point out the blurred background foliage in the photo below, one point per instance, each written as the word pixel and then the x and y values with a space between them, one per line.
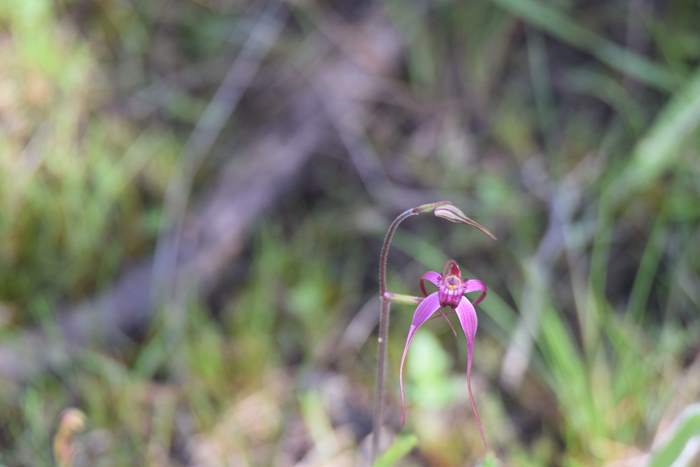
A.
pixel 569 128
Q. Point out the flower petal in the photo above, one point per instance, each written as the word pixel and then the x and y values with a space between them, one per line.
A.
pixel 432 277
pixel 475 285
pixel 424 311
pixel 469 321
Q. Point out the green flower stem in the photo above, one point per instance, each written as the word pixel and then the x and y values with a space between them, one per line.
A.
pixel 402 299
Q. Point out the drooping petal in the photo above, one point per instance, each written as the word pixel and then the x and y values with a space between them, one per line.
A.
pixel 475 285
pixel 424 311
pixel 432 277
pixel 469 321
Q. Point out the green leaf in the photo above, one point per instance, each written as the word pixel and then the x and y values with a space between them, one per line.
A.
pixel 686 426
pixel 489 461
pixel 660 148
pixel 567 30
pixel 401 446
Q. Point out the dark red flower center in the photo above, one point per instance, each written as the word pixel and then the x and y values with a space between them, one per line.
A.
pixel 450 291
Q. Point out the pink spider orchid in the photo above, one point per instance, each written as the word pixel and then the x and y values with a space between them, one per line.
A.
pixel 450 292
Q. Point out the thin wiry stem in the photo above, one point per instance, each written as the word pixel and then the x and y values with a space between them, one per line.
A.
pixel 384 310
pixel 384 253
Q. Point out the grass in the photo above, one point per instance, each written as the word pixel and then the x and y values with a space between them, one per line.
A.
pixel 68 195
pixel 496 105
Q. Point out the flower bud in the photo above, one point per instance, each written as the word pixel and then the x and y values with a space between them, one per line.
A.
pixel 452 213
pixel 72 422
pixel 429 207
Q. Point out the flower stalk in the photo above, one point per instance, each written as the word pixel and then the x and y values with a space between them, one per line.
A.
pixel 385 308
pixel 402 298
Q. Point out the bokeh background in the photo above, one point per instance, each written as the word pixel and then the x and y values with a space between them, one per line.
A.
pixel 193 196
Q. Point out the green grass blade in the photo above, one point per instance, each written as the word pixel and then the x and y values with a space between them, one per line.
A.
pixel 648 267
pixel 567 30
pixel 659 149
pixel 490 461
pixel 686 427
pixel 401 446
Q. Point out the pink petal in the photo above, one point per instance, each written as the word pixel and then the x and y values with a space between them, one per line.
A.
pixel 469 321
pixel 424 311
pixel 475 285
pixel 432 277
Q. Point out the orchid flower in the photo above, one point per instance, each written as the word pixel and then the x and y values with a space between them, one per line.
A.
pixel 451 290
